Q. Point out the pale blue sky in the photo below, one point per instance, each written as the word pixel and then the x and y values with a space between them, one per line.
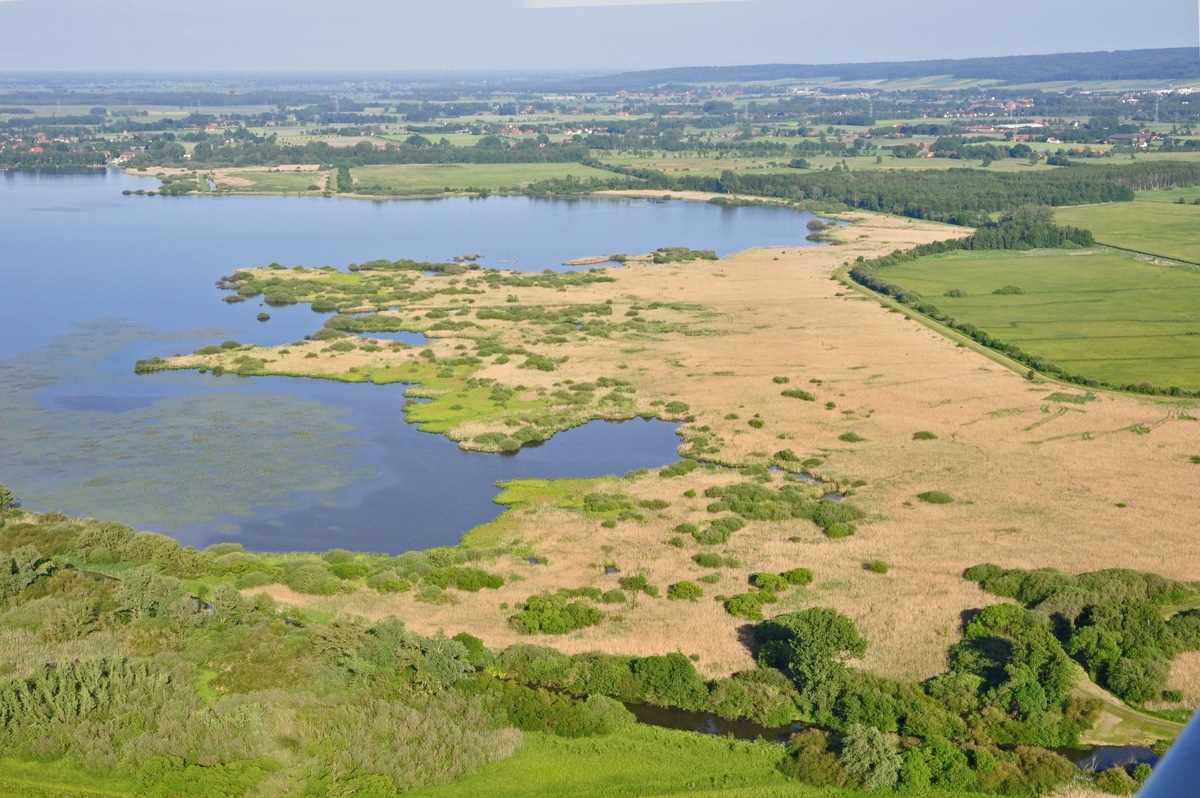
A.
pixel 575 35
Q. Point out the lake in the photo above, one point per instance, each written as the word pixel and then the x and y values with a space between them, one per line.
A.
pixel 95 280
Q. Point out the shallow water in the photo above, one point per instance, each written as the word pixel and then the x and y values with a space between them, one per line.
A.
pixel 95 280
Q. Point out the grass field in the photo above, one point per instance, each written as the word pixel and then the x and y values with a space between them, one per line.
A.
pixel 1108 316
pixel 1154 223
pixel 58 780
pixel 280 180
pixel 637 762
pixel 418 178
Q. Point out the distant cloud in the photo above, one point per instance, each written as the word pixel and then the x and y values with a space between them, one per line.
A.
pixel 600 3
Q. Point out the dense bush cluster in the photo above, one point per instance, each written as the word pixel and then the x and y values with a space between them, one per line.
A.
pixel 105 641
pixel 751 501
pixel 1112 622
pixel 554 614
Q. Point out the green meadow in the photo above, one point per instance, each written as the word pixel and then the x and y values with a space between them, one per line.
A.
pixel 1106 315
pixel 641 761
pixel 1154 223
pixel 425 178
pixel 283 180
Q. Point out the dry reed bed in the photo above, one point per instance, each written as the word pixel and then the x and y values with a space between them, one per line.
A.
pixel 1033 485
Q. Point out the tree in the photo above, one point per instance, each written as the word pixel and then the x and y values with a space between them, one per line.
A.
pixel 871 755
pixel 7 500
pixel 811 646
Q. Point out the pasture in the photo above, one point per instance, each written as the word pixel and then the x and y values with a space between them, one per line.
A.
pixel 1106 315
pixel 270 180
pixel 1154 223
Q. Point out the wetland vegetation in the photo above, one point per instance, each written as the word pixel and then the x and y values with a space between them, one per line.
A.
pixel 811 561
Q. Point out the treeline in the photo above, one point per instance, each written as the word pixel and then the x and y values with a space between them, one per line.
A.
pixel 1113 622
pixel 957 196
pixel 490 150
pixel 52 158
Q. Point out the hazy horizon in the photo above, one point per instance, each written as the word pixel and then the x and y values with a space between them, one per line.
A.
pixel 554 36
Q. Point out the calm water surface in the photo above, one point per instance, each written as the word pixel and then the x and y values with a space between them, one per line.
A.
pixel 94 280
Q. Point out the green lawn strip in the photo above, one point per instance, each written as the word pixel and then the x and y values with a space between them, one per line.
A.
pixel 1105 315
pixel 58 779
pixel 1133 727
pixel 642 761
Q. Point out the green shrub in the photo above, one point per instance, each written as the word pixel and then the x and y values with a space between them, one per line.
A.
pixel 798 576
pixel 1008 290
pixel 1116 781
pixel 749 605
pixel 679 469
pixel 710 579
pixel 719 530
pixel 871 755
pixel 253 579
pixel 979 573
pixel 388 582
pixel 669 680
pixel 471 580
pixel 553 615
pixel 685 591
pixel 614 596
pixel 477 653
pixel 708 559
pixel 924 435
pixel 638 584
pixel 935 497
pixel 840 530
pixel 796 393
pixel 772 582
pixel 876 566
pixel 827 513
pixel 312 578
pixel 810 760
pixel 851 437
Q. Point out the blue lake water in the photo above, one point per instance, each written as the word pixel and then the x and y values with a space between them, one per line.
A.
pixel 94 280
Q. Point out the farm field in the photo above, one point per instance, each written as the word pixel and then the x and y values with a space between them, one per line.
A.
pixel 1154 223
pixel 424 178
pixel 1105 315
pixel 269 180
